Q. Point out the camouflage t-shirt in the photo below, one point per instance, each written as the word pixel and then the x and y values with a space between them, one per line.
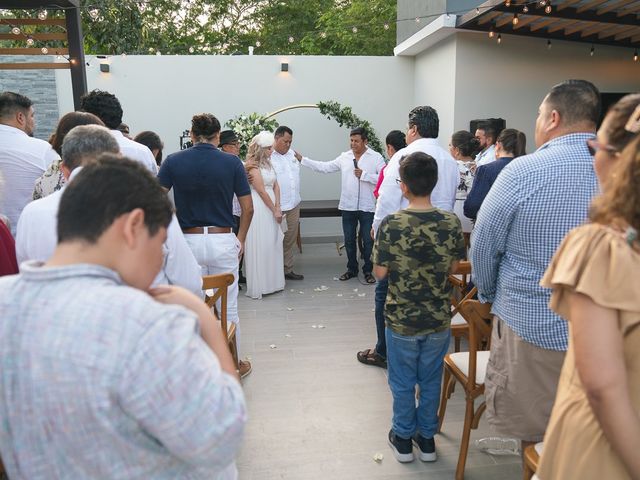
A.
pixel 419 247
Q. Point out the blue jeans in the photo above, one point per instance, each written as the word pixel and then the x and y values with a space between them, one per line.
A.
pixel 350 221
pixel 381 296
pixel 416 361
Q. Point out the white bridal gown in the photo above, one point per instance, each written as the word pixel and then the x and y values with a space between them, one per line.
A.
pixel 263 257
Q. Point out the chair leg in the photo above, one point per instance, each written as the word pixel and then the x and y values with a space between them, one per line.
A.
pixel 464 442
pixel 444 396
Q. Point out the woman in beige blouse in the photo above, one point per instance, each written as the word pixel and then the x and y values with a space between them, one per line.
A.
pixel 594 430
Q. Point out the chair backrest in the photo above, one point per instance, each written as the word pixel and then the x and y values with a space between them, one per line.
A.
pixel 219 284
pixel 459 278
pixel 478 316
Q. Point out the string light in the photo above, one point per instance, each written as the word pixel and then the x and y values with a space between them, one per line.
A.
pixel 291 39
pixel 417 19
pixel 543 3
pixel 477 11
pixel 593 51
pixel 492 32
pixel 44 50
pixel 29 40
pixel 323 35
pixel 386 26
pixel 354 29
pixel 42 14
pixel 549 44
pixel 507 3
pixel 499 38
pixel 16 31
pixel 515 19
pixel 635 55
pixel 548 8
pixel 258 43
pixel 525 9
pixel 191 49
pixel 94 13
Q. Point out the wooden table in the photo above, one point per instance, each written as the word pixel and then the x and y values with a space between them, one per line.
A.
pixel 317 209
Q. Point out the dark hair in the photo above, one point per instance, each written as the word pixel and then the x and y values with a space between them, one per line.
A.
pixel 10 102
pixel 359 131
pixel 69 121
pixel 467 143
pixel 103 105
pixel 426 120
pixel 124 128
pixel 513 141
pixel 204 126
pixel 489 130
pixel 576 101
pixel 281 130
pixel 619 115
pixel 105 190
pixel 396 139
pixel 87 142
pixel 152 141
pixel 419 172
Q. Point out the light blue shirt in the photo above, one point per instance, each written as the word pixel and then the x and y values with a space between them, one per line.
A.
pixel 533 204
pixel 100 381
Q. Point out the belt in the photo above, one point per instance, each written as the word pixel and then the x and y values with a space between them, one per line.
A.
pixel 207 230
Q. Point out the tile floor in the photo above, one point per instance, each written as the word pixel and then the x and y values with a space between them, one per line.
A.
pixel 315 412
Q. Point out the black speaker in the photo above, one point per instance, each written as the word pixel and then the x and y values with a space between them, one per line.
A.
pixel 498 123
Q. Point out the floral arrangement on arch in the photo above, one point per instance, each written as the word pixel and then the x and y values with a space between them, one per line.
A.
pixel 248 126
pixel 345 117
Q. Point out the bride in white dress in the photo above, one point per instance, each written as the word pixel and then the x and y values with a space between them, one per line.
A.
pixel 263 257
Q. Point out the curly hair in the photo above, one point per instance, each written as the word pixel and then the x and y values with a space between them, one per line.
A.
pixel 205 127
pixel 103 105
pixel 620 201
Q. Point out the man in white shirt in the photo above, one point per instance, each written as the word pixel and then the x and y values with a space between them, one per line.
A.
pixel 360 169
pixel 22 158
pixel 287 171
pixel 107 108
pixel 486 134
pixel 422 132
pixel 37 236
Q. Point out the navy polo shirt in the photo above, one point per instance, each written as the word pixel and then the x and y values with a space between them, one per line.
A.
pixel 204 180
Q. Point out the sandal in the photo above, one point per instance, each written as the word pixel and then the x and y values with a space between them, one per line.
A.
pixel 347 275
pixel 370 357
pixel 369 278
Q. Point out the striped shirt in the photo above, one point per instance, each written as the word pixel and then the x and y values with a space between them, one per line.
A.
pixel 533 204
pixel 100 381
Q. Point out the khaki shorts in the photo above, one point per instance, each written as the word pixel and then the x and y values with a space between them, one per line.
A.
pixel 520 385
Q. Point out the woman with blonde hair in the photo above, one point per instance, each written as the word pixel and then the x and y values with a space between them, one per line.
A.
pixel 263 258
pixel 594 430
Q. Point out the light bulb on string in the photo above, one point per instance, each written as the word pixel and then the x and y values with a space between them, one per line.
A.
pixel 191 49
pixel 30 40
pixel 635 55
pixel 547 9
pixel 16 31
pixel 525 9
pixel 354 29
pixel 42 14
pixel 499 38
pixel 417 19
pixel 543 3
pixel 515 19
pixel 507 3
pixel 93 13
pixel 549 44
pixel 44 50
pixel 258 43
pixel 593 51
pixel 477 11
pixel 492 32
pixel 323 35
pixel 291 39
pixel 158 53
pixel 386 26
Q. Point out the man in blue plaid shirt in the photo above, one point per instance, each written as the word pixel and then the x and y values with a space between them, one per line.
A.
pixel 534 202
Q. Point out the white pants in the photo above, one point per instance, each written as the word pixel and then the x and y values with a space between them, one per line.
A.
pixel 218 253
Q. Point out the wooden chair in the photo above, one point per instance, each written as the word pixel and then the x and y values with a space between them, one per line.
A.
pixel 531 458
pixel 468 368
pixel 459 278
pixel 219 284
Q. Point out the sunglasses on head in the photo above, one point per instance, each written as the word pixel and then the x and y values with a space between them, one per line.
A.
pixel 594 146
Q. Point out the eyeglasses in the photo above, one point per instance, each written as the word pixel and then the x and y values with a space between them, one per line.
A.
pixel 398 181
pixel 594 146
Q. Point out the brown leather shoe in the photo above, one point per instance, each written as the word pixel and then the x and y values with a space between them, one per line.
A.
pixel 293 276
pixel 245 368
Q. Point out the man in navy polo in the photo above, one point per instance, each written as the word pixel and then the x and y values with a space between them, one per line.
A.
pixel 204 180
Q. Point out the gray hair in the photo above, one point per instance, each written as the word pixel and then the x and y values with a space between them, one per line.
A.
pixel 85 143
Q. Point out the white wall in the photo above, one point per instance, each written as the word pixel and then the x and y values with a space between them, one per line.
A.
pixel 162 93
pixel 511 79
pixel 435 84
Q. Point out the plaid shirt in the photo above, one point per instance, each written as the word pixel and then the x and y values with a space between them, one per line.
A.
pixel 99 381
pixel 533 204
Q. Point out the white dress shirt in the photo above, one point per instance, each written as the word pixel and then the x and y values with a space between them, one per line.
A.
pixel 37 237
pixel 390 198
pixel 288 175
pixel 356 194
pixel 136 151
pixel 486 156
pixel 22 160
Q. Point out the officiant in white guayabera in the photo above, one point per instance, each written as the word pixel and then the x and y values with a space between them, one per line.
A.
pixel 360 167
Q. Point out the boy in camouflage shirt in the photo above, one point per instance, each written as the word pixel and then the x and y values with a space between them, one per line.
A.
pixel 417 248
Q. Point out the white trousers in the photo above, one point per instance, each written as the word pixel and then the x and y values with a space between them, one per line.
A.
pixel 218 253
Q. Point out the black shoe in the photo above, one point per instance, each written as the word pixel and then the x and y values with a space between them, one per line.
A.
pixel 293 276
pixel 402 447
pixel 427 448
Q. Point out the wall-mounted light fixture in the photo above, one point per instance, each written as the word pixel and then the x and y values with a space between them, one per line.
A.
pixel 284 67
pixel 104 67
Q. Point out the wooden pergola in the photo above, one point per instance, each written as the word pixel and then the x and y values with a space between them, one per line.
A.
pixel 71 34
pixel 603 22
